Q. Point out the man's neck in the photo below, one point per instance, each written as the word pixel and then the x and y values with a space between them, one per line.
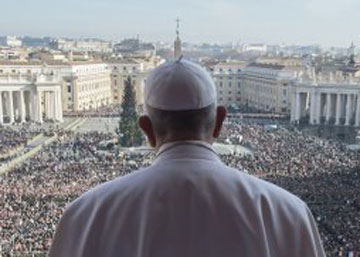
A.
pixel 179 140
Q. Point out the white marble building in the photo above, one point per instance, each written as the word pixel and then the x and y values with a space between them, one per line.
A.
pixel 137 68
pixel 30 98
pixel 265 86
pixel 84 85
pixel 227 78
pixel 333 103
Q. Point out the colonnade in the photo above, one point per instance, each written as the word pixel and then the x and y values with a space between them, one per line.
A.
pixel 321 107
pixel 30 105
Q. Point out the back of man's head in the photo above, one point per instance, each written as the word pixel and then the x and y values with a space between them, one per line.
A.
pixel 183 125
pixel 180 104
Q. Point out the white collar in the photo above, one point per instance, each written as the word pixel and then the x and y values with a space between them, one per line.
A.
pixel 167 146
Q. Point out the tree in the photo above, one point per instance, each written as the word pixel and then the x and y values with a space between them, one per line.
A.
pixel 128 131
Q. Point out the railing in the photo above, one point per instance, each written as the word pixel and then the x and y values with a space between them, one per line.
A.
pixel 331 82
pixel 27 78
pixel 18 78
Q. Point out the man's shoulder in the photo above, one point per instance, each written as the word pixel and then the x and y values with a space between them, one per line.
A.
pixel 101 194
pixel 232 182
pixel 139 180
pixel 264 192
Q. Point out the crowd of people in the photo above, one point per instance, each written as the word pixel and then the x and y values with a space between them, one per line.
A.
pixel 12 139
pixel 321 172
pixel 34 195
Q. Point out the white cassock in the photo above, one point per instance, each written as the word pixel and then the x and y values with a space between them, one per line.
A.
pixel 187 204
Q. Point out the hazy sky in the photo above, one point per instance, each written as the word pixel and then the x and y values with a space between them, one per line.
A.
pixel 327 22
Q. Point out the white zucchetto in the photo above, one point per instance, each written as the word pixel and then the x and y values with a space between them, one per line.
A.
pixel 178 86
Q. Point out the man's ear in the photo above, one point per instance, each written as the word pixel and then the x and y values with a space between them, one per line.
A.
pixel 146 126
pixel 220 117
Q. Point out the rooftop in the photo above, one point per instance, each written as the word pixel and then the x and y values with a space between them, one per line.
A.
pixel 47 62
pixel 266 66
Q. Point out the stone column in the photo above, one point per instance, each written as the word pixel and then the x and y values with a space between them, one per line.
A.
pixel 59 110
pixel 48 105
pixel 1 109
pixel 315 111
pixel 328 107
pixel 348 109
pixel 357 111
pixel 318 108
pixel 298 107
pixel 32 107
pixel 39 117
pixel 338 109
pixel 312 107
pixel 293 106
pixel 22 106
pixel 35 106
pixel 11 107
pixel 53 105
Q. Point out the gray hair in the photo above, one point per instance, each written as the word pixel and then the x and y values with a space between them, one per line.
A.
pixel 191 123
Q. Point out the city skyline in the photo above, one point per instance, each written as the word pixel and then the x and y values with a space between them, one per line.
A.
pixel 306 22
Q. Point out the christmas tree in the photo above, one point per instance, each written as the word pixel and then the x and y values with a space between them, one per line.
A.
pixel 128 131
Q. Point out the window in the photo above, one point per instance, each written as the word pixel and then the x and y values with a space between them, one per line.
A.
pixel 69 88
